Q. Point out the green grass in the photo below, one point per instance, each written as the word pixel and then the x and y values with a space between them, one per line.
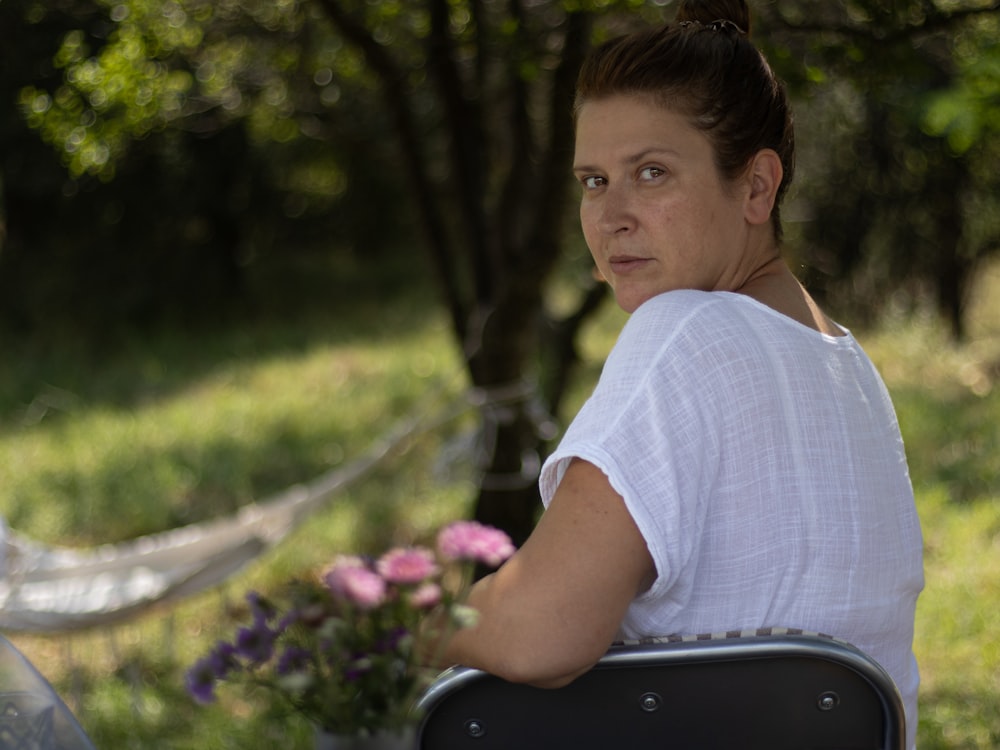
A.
pixel 948 401
pixel 168 430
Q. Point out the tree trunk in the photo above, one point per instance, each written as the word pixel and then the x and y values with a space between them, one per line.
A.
pixel 492 219
pixel 954 268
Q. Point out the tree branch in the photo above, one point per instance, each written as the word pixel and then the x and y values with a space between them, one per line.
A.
pixel 935 20
pixel 478 14
pixel 465 146
pixel 564 335
pixel 522 142
pixel 558 158
pixel 397 101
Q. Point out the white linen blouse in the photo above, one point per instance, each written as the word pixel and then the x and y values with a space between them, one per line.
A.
pixel 763 465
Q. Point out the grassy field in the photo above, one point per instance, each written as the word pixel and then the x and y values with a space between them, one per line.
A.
pixel 948 400
pixel 174 429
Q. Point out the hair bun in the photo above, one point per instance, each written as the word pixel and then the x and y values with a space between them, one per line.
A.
pixel 708 12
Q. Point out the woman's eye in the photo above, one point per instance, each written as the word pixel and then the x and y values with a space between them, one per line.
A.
pixel 592 182
pixel 651 173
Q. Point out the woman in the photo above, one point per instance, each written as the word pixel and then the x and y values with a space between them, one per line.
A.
pixel 739 464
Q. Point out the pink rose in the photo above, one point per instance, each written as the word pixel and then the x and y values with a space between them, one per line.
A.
pixel 469 540
pixel 349 578
pixel 407 565
pixel 426 595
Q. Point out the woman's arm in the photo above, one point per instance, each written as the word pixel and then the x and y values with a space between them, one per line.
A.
pixel 555 607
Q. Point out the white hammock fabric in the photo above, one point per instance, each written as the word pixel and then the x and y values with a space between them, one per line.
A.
pixel 55 589
pixel 52 589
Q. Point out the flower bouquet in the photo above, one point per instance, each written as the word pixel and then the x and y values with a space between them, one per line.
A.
pixel 344 648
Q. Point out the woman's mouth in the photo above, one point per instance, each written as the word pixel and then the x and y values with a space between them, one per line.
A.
pixel 624 264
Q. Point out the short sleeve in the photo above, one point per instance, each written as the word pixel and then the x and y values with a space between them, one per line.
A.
pixel 646 429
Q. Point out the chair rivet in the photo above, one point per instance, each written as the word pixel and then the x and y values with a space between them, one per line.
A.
pixel 650 702
pixel 828 701
pixel 474 728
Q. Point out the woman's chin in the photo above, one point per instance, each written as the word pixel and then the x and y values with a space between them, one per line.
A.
pixel 629 300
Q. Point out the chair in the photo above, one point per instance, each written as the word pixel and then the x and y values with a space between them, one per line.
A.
pixel 757 692
pixel 32 715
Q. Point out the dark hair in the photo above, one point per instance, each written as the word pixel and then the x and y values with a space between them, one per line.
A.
pixel 703 66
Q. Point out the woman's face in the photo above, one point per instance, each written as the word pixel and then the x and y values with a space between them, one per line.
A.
pixel 656 214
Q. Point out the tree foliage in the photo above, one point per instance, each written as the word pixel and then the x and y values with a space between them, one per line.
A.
pixel 199 135
pixel 904 100
pixel 185 149
pixel 474 97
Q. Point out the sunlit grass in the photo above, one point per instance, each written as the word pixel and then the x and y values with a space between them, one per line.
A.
pixel 948 400
pixel 235 434
pixel 239 432
pixel 179 431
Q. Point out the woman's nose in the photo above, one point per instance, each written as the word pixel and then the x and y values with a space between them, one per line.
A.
pixel 616 211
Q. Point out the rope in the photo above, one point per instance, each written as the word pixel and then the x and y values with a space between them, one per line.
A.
pixel 56 589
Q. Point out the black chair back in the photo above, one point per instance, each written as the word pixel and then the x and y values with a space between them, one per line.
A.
pixel 788 692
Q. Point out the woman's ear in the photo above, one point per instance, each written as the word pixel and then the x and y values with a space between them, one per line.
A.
pixel 765 173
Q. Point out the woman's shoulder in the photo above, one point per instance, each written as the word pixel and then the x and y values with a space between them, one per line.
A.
pixel 723 316
pixel 675 330
pixel 690 304
pixel 685 313
pixel 701 332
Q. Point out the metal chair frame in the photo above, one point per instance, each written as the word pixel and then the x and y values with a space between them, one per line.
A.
pixel 776 692
pixel 56 727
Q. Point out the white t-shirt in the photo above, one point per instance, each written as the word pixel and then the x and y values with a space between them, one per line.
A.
pixel 762 462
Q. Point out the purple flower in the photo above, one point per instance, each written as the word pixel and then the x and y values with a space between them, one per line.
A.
pixel 343 646
pixel 407 565
pixel 352 580
pixel 469 540
pixel 390 641
pixel 256 643
pixel 261 609
pixel 201 677
pixel 293 659
pixel 200 680
pixel 357 668
pixel 223 659
pixel 289 619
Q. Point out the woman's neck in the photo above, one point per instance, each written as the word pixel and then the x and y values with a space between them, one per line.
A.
pixel 774 285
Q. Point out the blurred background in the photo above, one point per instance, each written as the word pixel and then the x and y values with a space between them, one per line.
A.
pixel 243 241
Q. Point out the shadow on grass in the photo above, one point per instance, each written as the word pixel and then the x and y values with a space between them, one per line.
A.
pixel 286 310
pixel 139 487
pixel 152 488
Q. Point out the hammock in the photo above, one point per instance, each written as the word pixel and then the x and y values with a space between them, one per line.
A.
pixel 50 589
pixel 54 588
